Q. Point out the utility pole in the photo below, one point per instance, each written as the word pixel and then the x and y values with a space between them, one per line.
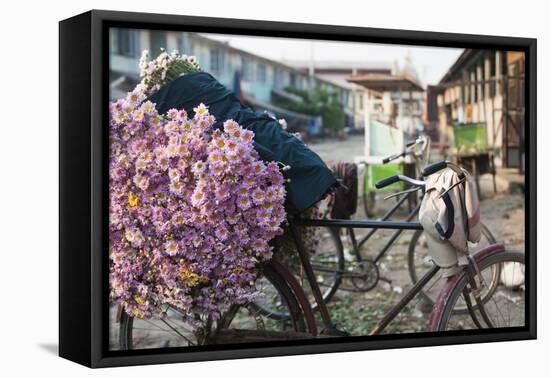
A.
pixel 311 69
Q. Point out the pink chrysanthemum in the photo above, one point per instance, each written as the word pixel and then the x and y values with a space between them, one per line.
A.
pixel 181 196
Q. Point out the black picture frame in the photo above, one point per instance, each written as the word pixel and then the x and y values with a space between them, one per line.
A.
pixel 83 207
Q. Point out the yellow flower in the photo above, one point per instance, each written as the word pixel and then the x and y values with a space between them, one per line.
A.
pixel 189 277
pixel 138 313
pixel 139 299
pixel 133 201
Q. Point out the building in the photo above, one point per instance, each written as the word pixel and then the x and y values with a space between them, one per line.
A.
pixel 337 72
pixel 484 88
pixel 392 111
pixel 259 79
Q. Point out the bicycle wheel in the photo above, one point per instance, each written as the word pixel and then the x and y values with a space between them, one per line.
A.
pixel 504 308
pixel 419 262
pixel 328 265
pixel 240 324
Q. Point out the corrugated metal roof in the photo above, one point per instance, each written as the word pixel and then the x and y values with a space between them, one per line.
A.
pixel 387 83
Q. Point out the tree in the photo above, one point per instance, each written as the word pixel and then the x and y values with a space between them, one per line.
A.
pixel 317 102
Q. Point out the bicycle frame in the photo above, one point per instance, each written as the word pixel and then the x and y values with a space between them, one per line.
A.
pixel 347 223
pixel 400 226
pixel 425 153
pixel 393 238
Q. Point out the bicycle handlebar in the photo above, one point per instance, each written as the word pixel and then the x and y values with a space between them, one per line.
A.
pixel 386 182
pixel 436 167
pixel 433 168
pixel 392 157
pixel 409 149
pixel 426 141
pixel 393 179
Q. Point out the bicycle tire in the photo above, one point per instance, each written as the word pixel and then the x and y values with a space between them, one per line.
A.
pixel 296 317
pixel 444 309
pixel 412 265
pixel 329 291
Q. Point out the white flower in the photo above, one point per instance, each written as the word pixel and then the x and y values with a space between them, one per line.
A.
pixel 154 73
pixel 141 88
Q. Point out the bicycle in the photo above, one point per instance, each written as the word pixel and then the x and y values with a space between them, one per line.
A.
pixel 420 157
pixel 242 323
pixel 481 267
pixel 332 268
pixel 466 288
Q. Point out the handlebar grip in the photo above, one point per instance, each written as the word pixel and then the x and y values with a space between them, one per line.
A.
pixel 411 143
pixel 435 167
pixel 392 157
pixel 387 181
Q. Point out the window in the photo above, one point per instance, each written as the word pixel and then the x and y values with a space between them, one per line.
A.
pixel 293 80
pixel 247 70
pixel 157 40
pixel 279 78
pixel 262 73
pixel 184 44
pixel 216 60
pixel 127 42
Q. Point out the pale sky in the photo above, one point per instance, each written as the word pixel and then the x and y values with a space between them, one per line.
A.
pixel 431 63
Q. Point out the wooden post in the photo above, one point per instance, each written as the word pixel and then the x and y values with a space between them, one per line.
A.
pixel 366 115
pixel 480 95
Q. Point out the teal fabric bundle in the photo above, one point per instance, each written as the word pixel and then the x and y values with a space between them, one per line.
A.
pixel 310 178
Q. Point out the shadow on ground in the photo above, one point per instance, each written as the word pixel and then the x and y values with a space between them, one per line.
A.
pixel 51 348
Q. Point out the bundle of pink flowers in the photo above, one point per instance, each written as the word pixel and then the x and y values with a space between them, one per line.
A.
pixel 192 210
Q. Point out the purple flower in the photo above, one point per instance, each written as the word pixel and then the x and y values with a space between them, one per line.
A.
pixel 188 205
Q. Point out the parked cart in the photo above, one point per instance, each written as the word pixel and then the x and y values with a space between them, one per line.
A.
pixel 472 151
